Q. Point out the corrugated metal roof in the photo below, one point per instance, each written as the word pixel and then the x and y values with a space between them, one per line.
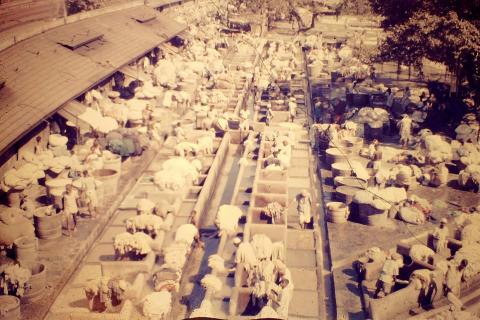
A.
pixel 162 3
pixel 142 14
pixel 165 26
pixel 75 38
pixel 40 76
pixel 123 37
pixel 161 24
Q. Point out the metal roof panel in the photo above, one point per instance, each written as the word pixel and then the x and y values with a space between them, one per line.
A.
pixel 41 76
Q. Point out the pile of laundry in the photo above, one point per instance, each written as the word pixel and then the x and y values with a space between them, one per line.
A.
pixel 374 117
pixel 177 173
pixel 125 142
pixel 134 246
pixel 469 129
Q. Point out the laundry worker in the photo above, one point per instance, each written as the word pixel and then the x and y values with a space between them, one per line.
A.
pixel 440 235
pixel 405 126
pixel 388 275
pixel 70 208
pixel 292 108
pixel 453 280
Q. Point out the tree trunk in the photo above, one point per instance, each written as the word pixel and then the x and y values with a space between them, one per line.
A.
pixel 409 71
pixel 457 78
pixel 398 69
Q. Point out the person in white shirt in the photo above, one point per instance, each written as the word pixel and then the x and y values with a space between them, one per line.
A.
pixel 390 98
pixel 405 126
pixel 388 276
pixel 292 108
pixel 89 190
pixel 440 235
pixel 70 208
pixel 284 297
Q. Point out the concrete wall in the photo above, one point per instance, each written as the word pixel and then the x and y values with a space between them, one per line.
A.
pixel 395 304
pixel 212 178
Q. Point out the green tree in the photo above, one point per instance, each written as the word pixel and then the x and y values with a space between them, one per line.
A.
pixel 445 31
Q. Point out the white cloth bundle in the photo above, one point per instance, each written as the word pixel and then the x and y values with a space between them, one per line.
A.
pixel 245 254
pixel 57 140
pixel 211 283
pixel 97 121
pixel 421 252
pixel 227 218
pixel 157 305
pixel 165 73
pixel 169 180
pixel 262 246
pixel 183 167
pixel 175 255
pixel 186 233
pixel 438 150
pixel 145 206
pixel 205 310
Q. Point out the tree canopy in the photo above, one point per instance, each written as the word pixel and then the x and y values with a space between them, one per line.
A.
pixel 445 31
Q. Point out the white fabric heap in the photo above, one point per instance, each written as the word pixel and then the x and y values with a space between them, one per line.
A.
pixel 184 148
pixel 205 310
pixel 149 91
pixel 138 242
pixel 97 121
pixel 470 234
pixel 216 263
pixel 375 117
pixel 175 255
pixel 211 283
pixel 157 305
pixel 278 252
pixel 467 132
pixel 135 109
pixel 421 252
pixel 411 215
pixel 16 276
pixel 471 174
pixel 262 246
pixel 57 140
pixel 471 253
pixel 145 206
pixel 275 211
pixel 380 198
pixel 144 222
pixel 21 178
pixel 186 233
pixel 165 73
pixel 468 153
pixel 227 218
pixel 345 53
pixel 245 254
pixel 205 143
pixel 169 180
pixel 184 167
pixel 438 150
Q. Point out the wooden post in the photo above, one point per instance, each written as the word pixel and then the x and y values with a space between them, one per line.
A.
pixel 398 69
